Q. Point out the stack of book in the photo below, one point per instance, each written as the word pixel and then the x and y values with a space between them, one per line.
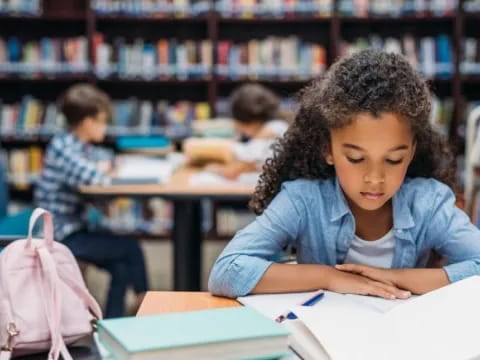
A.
pixel 430 55
pixel 274 8
pixel 153 8
pixel 226 333
pixel 46 56
pixel 271 58
pixel 161 60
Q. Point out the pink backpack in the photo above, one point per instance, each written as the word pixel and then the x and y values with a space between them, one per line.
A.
pixel 44 303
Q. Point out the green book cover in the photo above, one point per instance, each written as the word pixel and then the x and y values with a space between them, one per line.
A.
pixel 156 332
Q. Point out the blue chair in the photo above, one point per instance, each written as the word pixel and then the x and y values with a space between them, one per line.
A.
pixel 15 226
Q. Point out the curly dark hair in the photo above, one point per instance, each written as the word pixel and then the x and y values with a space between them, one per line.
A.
pixel 368 81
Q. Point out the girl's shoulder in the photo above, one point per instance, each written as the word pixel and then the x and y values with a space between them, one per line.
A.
pixel 309 188
pixel 424 189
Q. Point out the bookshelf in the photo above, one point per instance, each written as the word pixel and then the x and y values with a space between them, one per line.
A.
pixel 330 25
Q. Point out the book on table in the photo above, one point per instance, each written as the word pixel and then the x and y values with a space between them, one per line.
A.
pixel 442 324
pixel 227 333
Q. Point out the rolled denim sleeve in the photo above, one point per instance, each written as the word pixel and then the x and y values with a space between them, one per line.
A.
pixel 455 236
pixel 249 254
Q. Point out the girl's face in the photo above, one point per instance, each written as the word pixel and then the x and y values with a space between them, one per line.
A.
pixel 371 157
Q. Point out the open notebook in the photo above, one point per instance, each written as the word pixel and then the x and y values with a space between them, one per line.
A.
pixel 442 324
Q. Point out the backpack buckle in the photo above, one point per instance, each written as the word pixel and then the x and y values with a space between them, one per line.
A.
pixel 12 332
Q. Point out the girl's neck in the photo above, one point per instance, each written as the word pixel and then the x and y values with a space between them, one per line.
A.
pixel 372 225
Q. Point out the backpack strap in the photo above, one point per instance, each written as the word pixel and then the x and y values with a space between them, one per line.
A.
pixel 52 301
pixel 47 227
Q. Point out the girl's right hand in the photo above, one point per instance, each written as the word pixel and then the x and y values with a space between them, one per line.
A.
pixel 347 283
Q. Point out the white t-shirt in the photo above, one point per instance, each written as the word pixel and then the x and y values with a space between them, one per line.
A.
pixel 377 253
pixel 258 150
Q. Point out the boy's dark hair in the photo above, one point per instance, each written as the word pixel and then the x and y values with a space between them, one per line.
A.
pixel 366 82
pixel 81 101
pixel 252 103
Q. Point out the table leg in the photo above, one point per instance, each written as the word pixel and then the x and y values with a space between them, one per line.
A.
pixel 187 242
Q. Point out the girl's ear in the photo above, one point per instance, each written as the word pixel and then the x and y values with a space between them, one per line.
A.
pixel 327 154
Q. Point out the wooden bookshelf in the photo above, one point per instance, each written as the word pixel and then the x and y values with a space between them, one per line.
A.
pixel 74 17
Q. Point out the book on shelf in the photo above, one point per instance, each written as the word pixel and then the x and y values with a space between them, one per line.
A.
pixel 161 60
pixel 44 57
pixel 31 117
pixel 151 8
pixel 151 217
pixel 21 7
pixel 24 165
pixel 385 8
pixel 438 325
pixel 204 334
pixel 430 55
pixel 282 58
pixel 274 8
pixel 471 6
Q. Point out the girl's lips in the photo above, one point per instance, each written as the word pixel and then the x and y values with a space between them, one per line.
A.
pixel 372 196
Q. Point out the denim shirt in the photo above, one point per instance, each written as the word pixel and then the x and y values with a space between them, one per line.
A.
pixel 313 215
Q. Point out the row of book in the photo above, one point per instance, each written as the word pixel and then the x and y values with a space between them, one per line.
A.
pixel 274 8
pixel 23 165
pixel 280 8
pixel 471 6
pixel 470 63
pixel 166 58
pixel 430 55
pixel 271 58
pixel 152 216
pixel 31 116
pixel 20 7
pixel 230 220
pixel 154 8
pixel 44 56
pixel 388 8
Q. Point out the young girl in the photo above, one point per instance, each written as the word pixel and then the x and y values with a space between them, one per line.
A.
pixel 360 185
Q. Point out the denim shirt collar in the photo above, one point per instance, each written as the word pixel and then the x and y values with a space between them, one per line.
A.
pixel 402 216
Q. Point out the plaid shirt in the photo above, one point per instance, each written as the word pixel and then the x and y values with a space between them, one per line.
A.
pixel 68 163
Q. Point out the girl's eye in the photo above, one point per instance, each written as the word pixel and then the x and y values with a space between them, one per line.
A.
pixel 394 162
pixel 354 161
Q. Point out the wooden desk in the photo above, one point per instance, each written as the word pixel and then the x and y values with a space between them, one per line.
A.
pixel 187 220
pixel 161 302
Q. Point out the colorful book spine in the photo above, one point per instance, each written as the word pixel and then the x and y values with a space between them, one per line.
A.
pixel 151 8
pixel 44 57
pixel 276 8
pixel 160 60
pixel 271 58
pixel 430 55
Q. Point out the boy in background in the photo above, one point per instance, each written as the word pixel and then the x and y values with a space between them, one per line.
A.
pixel 68 163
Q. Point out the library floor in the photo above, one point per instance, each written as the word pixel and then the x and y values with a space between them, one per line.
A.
pixel 159 255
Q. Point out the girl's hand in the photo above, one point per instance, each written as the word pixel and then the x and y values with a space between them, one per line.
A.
pixel 384 276
pixel 351 283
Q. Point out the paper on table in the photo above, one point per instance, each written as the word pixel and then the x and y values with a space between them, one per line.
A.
pixel 207 178
pixel 272 305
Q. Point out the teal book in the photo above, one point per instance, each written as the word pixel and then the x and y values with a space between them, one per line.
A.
pixel 229 333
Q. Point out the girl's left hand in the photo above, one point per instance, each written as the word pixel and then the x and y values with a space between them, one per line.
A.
pixel 386 276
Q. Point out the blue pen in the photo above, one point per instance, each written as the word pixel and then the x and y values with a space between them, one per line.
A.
pixel 309 302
